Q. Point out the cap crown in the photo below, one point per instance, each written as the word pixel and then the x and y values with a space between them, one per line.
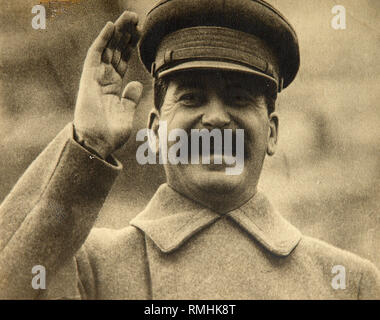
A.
pixel 254 17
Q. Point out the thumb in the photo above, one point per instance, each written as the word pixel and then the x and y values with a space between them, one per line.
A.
pixel 131 95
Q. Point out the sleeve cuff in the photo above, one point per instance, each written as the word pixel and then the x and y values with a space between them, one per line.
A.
pixel 110 161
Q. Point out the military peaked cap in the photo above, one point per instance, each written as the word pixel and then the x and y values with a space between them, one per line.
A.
pixel 242 35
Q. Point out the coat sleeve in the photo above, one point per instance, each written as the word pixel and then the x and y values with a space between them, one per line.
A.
pixel 49 213
pixel 370 283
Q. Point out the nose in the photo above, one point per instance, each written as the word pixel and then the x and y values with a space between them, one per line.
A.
pixel 216 115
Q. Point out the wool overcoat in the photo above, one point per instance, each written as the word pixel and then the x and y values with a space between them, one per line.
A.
pixel 174 249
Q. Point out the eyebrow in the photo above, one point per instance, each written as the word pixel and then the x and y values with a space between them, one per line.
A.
pixel 184 84
pixel 245 83
pixel 199 83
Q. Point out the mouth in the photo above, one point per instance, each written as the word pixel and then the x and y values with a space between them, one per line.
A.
pixel 220 151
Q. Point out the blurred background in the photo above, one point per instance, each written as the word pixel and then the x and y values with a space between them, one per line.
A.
pixel 325 176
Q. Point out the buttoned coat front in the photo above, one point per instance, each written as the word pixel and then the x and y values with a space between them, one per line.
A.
pixel 174 249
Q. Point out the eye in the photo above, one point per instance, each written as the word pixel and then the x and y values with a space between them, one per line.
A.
pixel 239 97
pixel 191 99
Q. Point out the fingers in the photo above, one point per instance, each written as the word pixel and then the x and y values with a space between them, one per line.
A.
pixel 109 51
pixel 131 95
pixel 126 51
pixel 123 38
pixel 123 63
pixel 127 21
pixel 100 43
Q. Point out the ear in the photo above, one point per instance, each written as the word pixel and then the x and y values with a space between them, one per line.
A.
pixel 153 126
pixel 272 133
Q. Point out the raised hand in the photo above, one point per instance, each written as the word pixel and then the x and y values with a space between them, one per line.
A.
pixel 104 112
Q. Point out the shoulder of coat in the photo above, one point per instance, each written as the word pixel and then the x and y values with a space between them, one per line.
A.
pixel 105 239
pixel 324 253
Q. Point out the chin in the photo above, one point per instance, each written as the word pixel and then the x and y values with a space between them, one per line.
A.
pixel 216 181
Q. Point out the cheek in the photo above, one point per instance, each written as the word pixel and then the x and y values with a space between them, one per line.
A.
pixel 168 112
pixel 255 124
pixel 255 134
pixel 182 118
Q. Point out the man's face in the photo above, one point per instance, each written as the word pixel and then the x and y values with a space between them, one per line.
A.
pixel 218 100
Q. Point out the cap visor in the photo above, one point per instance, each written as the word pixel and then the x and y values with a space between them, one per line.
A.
pixel 214 65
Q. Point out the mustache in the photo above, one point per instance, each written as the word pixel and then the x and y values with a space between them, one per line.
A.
pixel 225 142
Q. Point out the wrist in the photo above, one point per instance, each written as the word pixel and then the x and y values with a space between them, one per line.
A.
pixel 95 146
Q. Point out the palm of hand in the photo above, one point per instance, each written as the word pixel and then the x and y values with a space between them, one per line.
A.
pixel 102 118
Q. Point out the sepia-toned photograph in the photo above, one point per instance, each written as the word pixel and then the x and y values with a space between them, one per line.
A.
pixel 189 150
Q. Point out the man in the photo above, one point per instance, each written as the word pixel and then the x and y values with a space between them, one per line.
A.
pixel 205 234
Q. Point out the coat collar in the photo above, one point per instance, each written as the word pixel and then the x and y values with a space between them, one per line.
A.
pixel 170 219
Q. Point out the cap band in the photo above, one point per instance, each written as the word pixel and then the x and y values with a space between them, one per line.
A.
pixel 237 49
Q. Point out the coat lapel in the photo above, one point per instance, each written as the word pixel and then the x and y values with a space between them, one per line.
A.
pixel 170 219
pixel 266 225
